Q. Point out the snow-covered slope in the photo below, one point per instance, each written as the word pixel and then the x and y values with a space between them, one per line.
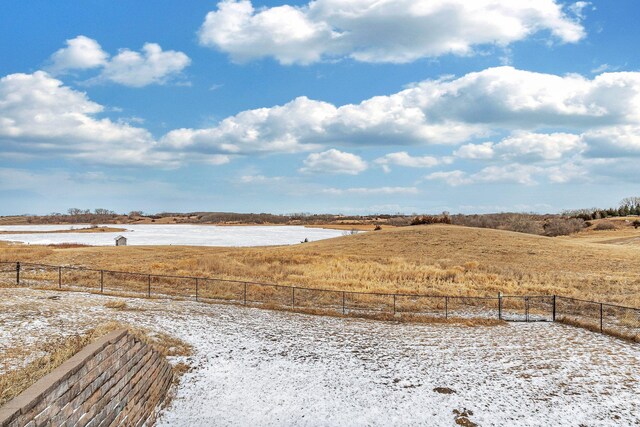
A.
pixel 260 367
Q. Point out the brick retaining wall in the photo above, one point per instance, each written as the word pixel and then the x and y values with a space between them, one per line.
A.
pixel 116 380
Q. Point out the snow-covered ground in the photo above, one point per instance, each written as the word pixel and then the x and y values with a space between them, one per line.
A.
pixel 259 367
pixel 173 234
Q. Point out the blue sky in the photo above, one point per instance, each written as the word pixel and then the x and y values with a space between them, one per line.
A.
pixel 342 106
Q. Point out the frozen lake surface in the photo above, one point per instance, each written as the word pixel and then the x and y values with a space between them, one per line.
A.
pixel 172 234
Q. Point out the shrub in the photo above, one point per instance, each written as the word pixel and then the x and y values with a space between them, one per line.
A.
pixel 605 225
pixel 562 227
pixel 432 219
pixel 377 227
pixel 636 223
pixel 524 224
pixel 399 221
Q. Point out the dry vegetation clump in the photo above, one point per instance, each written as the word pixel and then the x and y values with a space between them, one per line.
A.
pixel 67 245
pixel 563 226
pixel 58 351
pixel 595 328
pixel 542 225
pixel 605 225
pixel 120 306
pixel 432 219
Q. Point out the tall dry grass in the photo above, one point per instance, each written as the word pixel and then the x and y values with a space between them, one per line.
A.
pixel 436 259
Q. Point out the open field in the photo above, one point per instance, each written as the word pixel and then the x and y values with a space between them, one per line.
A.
pixel 437 259
pixel 332 371
pixel 623 233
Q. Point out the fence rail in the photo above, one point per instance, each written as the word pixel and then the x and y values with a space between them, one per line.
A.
pixel 606 318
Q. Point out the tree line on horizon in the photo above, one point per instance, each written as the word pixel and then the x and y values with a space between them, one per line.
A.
pixel 567 222
pixel 629 206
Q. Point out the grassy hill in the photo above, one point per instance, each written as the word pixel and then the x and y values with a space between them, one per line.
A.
pixel 434 259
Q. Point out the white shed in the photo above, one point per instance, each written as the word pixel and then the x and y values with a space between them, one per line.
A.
pixel 121 241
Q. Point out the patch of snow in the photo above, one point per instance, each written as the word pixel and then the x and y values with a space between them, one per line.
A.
pixel 261 367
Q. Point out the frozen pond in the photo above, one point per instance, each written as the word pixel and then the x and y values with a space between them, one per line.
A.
pixel 173 234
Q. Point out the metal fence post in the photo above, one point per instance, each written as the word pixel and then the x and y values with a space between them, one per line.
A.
pixel 293 297
pixel 394 304
pixel 526 309
pixel 60 277
pixel 245 293
pixel 18 273
pixel 149 286
pixel 196 289
pixel 343 305
pixel 601 328
pixel 446 307
pixel 101 281
pixel 499 305
pixel 554 308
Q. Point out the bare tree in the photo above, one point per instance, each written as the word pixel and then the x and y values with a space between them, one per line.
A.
pixel 630 202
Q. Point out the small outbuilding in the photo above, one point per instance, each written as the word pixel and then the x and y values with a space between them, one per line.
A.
pixel 121 241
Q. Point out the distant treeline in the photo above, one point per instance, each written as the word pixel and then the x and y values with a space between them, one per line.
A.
pixel 628 206
pixel 545 225
pixel 76 216
pixel 542 225
pixel 95 216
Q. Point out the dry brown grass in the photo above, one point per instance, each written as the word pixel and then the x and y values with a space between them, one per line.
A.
pixel 67 245
pixel 58 351
pixel 595 328
pixel 349 227
pixel 120 306
pixel 435 259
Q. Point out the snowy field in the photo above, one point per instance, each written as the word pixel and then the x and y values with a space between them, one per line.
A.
pixel 259 367
pixel 173 234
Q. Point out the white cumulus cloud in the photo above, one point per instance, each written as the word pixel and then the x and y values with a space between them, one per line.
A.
pixel 482 151
pixel 289 128
pixel 445 111
pixel 334 162
pixel 381 31
pixel 531 147
pixel 453 178
pixel 546 118
pixel 366 191
pixel 41 116
pixel 151 66
pixel 510 173
pixel 512 98
pixel 614 141
pixel 404 159
pixel 81 53
pixel 129 68
pixel 525 147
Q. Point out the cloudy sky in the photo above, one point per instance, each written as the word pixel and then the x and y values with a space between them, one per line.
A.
pixel 342 106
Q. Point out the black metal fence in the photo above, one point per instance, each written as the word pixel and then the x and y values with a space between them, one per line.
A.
pixel 611 319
